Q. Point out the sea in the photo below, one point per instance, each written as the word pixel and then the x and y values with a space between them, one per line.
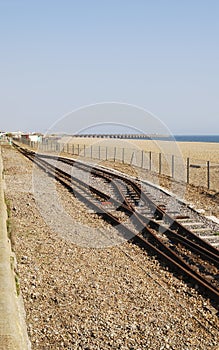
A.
pixel 197 138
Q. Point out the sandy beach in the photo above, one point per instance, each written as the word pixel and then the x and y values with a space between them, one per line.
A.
pixel 196 150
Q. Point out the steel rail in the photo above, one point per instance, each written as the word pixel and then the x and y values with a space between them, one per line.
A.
pixel 158 212
pixel 156 245
pixel 201 249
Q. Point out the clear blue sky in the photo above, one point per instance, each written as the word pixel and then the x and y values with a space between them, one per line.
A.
pixel 56 56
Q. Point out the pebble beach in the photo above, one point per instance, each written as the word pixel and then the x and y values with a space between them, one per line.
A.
pixel 112 298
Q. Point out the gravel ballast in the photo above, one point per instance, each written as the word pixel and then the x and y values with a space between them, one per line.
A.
pixel 91 298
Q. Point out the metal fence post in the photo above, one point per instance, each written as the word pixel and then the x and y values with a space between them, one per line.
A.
pixel 160 160
pixel 208 174
pixel 188 165
pixel 173 166
pixel 123 155
pixel 132 157
pixel 114 154
pixel 150 160
pixel 142 159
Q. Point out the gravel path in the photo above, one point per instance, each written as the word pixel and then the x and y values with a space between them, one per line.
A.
pixel 88 298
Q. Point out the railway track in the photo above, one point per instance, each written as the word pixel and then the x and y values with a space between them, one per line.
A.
pixel 130 206
pixel 176 210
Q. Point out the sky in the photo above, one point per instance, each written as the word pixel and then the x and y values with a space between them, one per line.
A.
pixel 160 55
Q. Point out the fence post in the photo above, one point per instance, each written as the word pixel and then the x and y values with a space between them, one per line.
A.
pixel 106 153
pixel 123 155
pixel 159 163
pixel 142 159
pixel 114 154
pixel 208 175
pixel 150 159
pixel 132 157
pixel 173 166
pixel 67 148
pixel 188 165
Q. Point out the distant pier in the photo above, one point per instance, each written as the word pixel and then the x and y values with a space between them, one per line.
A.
pixel 124 136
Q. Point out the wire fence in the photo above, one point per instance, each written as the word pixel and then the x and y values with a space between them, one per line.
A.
pixel 201 173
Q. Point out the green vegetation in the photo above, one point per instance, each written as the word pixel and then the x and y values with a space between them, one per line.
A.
pixel 12 262
pixel 8 206
pixel 9 222
pixel 16 276
pixel 17 283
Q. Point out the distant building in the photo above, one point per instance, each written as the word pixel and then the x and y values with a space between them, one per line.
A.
pixel 35 138
pixel 31 137
pixel 16 134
